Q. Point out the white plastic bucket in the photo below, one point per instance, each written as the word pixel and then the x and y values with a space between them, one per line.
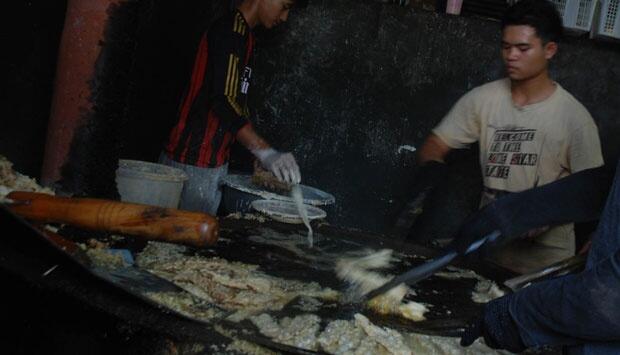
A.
pixel 149 183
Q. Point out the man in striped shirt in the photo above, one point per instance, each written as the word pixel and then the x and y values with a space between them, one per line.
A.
pixel 213 113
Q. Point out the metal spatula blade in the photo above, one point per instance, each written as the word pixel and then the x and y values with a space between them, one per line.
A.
pixel 427 269
pixel 560 268
pixel 414 275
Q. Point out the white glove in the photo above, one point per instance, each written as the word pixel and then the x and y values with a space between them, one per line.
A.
pixel 282 165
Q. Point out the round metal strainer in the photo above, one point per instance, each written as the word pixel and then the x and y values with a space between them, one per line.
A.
pixel 286 212
pixel 312 196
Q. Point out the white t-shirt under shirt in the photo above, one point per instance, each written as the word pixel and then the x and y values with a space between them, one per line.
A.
pixel 525 147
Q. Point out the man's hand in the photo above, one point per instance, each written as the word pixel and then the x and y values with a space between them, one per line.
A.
pixel 427 177
pixel 496 326
pixel 282 165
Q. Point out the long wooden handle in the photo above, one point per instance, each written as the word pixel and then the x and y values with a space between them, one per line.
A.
pixel 151 222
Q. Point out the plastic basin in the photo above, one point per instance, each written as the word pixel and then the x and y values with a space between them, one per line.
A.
pixel 149 183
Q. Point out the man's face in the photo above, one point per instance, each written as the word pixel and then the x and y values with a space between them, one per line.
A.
pixel 523 52
pixel 272 12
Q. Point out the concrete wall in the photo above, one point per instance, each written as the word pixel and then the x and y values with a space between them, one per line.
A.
pixel 348 83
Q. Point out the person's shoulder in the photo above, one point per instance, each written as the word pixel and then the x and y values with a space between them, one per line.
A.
pixel 228 32
pixel 221 22
pixel 571 105
pixel 566 97
pixel 495 86
pixel 489 91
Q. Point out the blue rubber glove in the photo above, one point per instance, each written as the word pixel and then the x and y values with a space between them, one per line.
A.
pixel 496 326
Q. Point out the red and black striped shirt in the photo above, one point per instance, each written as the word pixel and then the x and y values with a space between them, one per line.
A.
pixel 214 106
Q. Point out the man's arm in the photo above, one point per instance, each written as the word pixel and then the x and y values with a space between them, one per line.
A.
pixel 248 137
pixel 226 56
pixel 460 127
pixel 579 197
pixel 578 308
pixel 433 149
pixel 282 165
pixel 431 171
pixel 565 311
pixel 584 150
pixel 569 310
pixel 573 309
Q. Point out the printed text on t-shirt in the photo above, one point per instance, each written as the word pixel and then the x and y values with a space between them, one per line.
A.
pixel 510 147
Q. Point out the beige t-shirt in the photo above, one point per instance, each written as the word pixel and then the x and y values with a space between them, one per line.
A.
pixel 524 147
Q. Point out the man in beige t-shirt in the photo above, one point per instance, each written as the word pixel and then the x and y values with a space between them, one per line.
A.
pixel 530 132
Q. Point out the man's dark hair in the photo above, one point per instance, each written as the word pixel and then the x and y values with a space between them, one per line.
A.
pixel 539 14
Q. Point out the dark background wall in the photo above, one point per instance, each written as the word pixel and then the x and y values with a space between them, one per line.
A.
pixel 30 34
pixel 344 84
